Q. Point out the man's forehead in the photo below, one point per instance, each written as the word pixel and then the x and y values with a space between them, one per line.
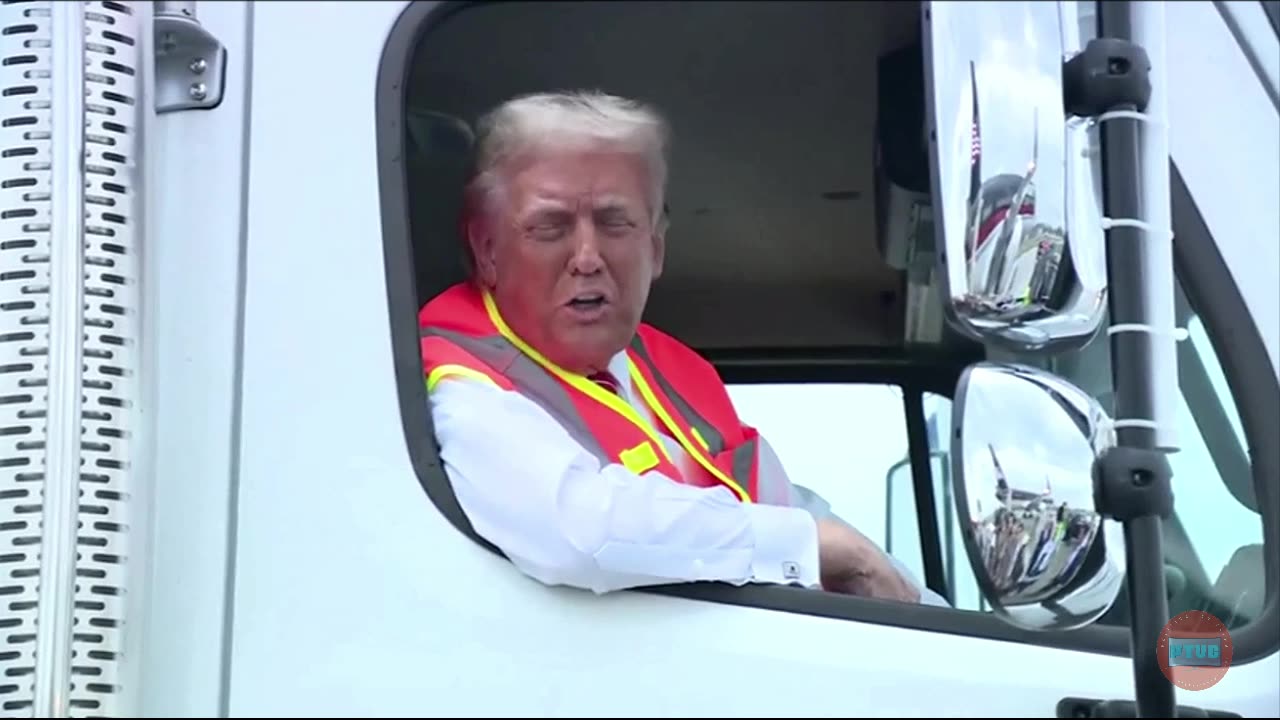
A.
pixel 574 172
pixel 551 200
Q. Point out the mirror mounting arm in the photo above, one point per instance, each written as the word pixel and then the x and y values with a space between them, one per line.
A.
pixel 1113 75
pixel 1130 483
pixel 1110 74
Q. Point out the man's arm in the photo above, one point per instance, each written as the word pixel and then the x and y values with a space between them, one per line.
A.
pixel 535 493
pixel 778 489
pixel 819 508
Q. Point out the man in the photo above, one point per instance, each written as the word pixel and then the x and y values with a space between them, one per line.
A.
pixel 595 451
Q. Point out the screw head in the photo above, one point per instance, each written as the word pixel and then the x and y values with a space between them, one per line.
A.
pixel 199 91
pixel 198 66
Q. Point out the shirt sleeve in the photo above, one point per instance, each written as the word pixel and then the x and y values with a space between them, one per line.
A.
pixel 561 517
pixel 812 502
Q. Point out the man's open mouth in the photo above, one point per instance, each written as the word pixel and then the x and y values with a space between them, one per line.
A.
pixel 587 301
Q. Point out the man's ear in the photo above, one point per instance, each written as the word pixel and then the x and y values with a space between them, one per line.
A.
pixel 659 243
pixel 481 242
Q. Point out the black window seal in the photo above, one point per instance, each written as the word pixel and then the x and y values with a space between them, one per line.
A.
pixel 390 102
pixel 945 587
pixel 1272 9
pixel 936 374
pixel 1247 365
pixel 1246 48
pixel 922 479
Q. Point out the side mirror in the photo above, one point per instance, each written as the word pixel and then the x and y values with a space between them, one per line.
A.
pixel 1023 455
pixel 1017 210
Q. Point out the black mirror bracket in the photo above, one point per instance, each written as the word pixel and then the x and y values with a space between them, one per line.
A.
pixel 1110 80
pixel 1109 74
pixel 1131 483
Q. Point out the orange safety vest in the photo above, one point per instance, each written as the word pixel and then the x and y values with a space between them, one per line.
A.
pixel 462 334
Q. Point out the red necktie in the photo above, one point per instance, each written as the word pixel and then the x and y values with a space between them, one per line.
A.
pixel 607 381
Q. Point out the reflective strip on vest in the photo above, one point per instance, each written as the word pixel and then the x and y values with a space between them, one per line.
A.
pixel 727 476
pixel 503 355
pixel 441 372
pixel 704 432
pixel 533 381
pixel 450 360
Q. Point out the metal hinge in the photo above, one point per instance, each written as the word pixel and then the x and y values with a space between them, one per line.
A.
pixel 191 63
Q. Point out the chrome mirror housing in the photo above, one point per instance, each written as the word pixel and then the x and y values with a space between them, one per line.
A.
pixel 1024 452
pixel 1017 212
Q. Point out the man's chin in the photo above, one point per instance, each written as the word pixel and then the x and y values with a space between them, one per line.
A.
pixel 585 355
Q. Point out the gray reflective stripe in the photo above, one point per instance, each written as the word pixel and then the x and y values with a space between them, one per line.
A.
pixel 704 428
pixel 743 458
pixel 531 380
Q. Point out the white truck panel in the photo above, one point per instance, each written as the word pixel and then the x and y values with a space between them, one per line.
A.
pixel 196 165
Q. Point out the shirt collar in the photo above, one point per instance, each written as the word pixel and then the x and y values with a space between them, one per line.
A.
pixel 620 368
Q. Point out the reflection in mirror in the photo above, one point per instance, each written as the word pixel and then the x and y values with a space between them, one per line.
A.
pixel 1026 442
pixel 1018 217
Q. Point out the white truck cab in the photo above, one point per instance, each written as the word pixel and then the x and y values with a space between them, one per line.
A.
pixel 219 489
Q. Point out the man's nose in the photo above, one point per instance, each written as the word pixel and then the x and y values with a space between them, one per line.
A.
pixel 586 258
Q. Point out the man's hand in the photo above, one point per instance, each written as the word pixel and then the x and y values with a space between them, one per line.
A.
pixel 852 564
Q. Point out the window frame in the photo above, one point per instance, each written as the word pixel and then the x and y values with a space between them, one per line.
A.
pixel 1212 293
pixel 939 377
pixel 1249 31
pixel 1211 290
pixel 929 525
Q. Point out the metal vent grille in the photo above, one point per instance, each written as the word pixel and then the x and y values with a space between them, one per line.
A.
pixel 25 186
pixel 79 672
pixel 110 352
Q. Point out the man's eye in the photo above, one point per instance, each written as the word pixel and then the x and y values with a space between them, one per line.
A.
pixel 616 222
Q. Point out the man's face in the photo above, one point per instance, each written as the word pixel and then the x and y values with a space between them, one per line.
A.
pixel 569 253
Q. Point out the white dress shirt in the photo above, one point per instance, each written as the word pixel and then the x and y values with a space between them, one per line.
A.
pixel 534 492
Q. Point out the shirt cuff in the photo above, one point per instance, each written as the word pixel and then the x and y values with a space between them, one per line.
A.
pixel 786 546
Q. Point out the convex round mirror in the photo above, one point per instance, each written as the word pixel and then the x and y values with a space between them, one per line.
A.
pixel 1023 457
pixel 1017 209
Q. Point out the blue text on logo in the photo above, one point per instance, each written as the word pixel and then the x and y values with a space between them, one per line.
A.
pixel 1195 652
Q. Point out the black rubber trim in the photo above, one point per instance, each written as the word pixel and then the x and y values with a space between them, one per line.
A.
pixel 1272 9
pixel 398 256
pixel 1216 298
pixel 935 576
pixel 1249 52
pixel 1219 304
pixel 840 365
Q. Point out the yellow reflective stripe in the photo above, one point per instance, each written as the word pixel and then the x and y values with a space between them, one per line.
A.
pixel 640 458
pixel 701 440
pixel 675 431
pixel 443 371
pixel 593 391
